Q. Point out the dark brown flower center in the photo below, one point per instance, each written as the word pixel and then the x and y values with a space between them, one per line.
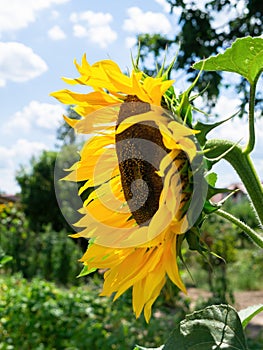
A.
pixel 140 150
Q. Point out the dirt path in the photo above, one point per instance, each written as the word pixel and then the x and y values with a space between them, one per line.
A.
pixel 242 301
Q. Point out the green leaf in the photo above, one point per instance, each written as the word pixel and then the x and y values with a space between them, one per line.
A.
pixel 211 179
pixel 5 259
pixel 247 314
pixel 142 348
pixel 86 271
pixel 215 327
pixel 244 57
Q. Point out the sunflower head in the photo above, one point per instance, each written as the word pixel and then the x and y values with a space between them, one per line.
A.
pixel 139 170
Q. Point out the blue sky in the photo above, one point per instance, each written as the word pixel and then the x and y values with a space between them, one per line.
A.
pixel 39 40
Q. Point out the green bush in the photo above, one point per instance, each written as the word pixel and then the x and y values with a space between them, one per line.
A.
pixel 39 315
pixel 247 273
pixel 51 255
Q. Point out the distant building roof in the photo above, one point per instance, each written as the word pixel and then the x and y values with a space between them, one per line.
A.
pixel 241 192
pixel 6 198
pixel 238 186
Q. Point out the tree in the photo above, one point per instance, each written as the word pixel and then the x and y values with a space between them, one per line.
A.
pixel 41 204
pixel 65 133
pixel 199 38
pixel 38 196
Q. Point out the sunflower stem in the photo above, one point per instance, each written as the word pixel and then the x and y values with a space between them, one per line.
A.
pixel 244 167
pixel 256 238
pixel 251 115
pixel 251 120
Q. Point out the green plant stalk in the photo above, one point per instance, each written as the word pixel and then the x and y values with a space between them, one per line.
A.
pixel 251 141
pixel 251 115
pixel 251 233
pixel 244 167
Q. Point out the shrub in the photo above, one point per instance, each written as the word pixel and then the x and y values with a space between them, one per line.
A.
pixel 49 254
pixel 39 315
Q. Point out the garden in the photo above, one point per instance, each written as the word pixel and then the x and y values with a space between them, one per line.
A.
pixel 121 238
pixel 43 305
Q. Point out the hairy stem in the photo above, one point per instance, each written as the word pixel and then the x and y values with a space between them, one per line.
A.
pixel 243 165
pixel 256 238
pixel 251 120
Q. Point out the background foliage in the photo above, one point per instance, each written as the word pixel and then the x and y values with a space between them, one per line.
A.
pixel 40 299
pixel 49 317
pixel 38 196
pixel 42 303
pixel 199 38
pixel 50 254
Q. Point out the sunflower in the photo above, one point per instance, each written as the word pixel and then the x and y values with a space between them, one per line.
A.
pixel 137 161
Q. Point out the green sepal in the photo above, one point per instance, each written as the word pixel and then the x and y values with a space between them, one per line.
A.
pixel 179 242
pixel 165 73
pixel 135 62
pixel 210 207
pixel 91 241
pixel 86 271
pixel 170 101
pixel 206 128
pixel 212 191
pixel 184 109
pixel 193 240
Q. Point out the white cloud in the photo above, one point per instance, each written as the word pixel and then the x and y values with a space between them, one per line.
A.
pixel 56 33
pixel 228 13
pixel 95 26
pixel 24 149
pixel 226 106
pixel 35 124
pixel 146 22
pixel 200 4
pixel 17 14
pixel 54 14
pixel 11 157
pixel 166 7
pixel 102 36
pixel 94 19
pixel 130 41
pixel 2 82
pixel 80 31
pixel 35 115
pixel 235 130
pixel 19 63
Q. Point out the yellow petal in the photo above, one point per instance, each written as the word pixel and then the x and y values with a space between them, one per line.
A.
pixel 159 222
pixel 143 118
pixel 137 297
pixel 171 264
pixel 158 281
pixel 121 83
